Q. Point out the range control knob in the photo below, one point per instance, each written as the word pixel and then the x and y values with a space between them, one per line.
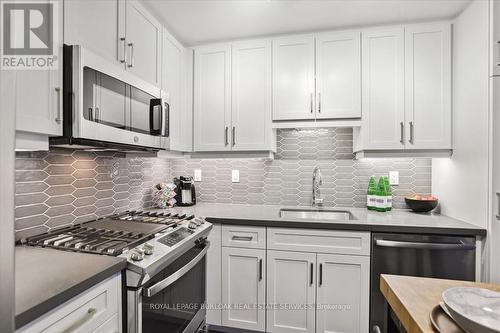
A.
pixel 192 225
pixel 137 255
pixel 201 219
pixel 148 249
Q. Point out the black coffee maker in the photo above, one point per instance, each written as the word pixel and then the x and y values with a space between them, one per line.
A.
pixel 185 191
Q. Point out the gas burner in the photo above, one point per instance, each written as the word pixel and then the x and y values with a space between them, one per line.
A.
pixel 152 217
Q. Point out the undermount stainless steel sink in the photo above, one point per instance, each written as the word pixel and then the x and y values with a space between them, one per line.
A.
pixel 316 214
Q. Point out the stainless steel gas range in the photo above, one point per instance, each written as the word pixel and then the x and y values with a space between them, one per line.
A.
pixel 166 273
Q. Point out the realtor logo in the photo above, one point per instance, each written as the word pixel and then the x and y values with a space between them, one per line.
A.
pixel 30 35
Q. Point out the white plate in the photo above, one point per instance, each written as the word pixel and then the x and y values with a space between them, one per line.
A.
pixel 475 308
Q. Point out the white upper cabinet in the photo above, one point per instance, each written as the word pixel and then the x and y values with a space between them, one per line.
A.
pixel 39 99
pixel 251 95
pixel 121 31
pixel 428 86
pixel 406 84
pixel 293 78
pixel 232 97
pixel 494 37
pixel 143 37
pixel 343 279
pixel 97 25
pixel 338 75
pixel 383 89
pixel 212 98
pixel 172 71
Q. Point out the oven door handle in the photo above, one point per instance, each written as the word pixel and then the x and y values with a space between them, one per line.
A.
pixel 425 246
pixel 154 289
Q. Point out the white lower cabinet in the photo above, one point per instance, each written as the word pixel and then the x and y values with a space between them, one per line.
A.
pixel 288 280
pixel 291 288
pixel 343 293
pixel 243 288
pixel 97 309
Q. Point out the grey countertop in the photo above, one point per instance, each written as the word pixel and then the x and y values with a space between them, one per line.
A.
pixel 403 221
pixel 46 278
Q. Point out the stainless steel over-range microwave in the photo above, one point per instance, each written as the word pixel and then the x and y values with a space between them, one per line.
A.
pixel 107 107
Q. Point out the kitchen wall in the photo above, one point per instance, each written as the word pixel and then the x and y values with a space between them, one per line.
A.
pixel 461 182
pixel 60 187
pixel 287 180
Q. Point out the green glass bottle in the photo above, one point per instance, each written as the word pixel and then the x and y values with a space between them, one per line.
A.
pixel 389 194
pixel 371 195
pixel 381 195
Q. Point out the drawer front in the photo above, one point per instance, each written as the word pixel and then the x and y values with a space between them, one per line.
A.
pixel 244 236
pixel 321 241
pixel 83 313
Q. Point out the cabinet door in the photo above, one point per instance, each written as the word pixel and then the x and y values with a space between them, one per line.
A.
pixel 291 284
pixel 293 78
pixel 212 98
pixel 243 277
pixel 251 95
pixel 343 293
pixel 428 86
pixel 143 33
pixel 39 92
pixel 214 278
pixel 383 89
pixel 171 82
pixel 494 37
pixel 98 26
pixel 338 75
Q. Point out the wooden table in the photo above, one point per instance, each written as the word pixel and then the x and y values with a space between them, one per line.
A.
pixel 413 298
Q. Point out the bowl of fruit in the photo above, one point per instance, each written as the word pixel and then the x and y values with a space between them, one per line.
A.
pixel 422 203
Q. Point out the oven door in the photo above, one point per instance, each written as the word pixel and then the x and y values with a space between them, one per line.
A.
pixel 174 299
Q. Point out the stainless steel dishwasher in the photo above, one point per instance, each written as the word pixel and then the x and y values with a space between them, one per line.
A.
pixel 446 257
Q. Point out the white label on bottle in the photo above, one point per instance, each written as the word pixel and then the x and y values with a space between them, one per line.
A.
pixel 371 200
pixel 389 201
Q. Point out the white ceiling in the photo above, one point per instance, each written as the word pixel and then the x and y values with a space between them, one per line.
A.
pixel 201 21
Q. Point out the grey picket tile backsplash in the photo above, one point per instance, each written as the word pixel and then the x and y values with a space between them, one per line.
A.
pixel 62 187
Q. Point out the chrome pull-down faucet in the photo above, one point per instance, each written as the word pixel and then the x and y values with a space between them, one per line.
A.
pixel 317 200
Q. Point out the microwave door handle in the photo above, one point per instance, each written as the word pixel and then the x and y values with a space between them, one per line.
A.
pixel 164 114
pixel 157 287
pixel 425 246
pixel 154 103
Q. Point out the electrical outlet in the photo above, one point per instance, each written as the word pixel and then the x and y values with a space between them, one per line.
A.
pixel 394 177
pixel 197 175
pixel 235 176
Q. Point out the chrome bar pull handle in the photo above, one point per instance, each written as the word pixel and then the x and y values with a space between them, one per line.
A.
pixel 411 132
pixel 498 53
pixel 123 59
pixel 242 238
pixel 320 274
pixel 311 274
pixel 498 206
pixel 226 138
pixel 77 324
pixel 319 102
pixel 402 134
pixel 59 104
pixel 260 269
pixel 132 60
pixel 233 134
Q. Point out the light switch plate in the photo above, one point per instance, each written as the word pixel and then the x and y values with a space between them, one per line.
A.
pixel 197 175
pixel 235 176
pixel 394 177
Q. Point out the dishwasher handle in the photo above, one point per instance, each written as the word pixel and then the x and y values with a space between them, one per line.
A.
pixel 425 246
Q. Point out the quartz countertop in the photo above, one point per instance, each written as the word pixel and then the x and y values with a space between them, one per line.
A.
pixel 397 220
pixel 46 278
